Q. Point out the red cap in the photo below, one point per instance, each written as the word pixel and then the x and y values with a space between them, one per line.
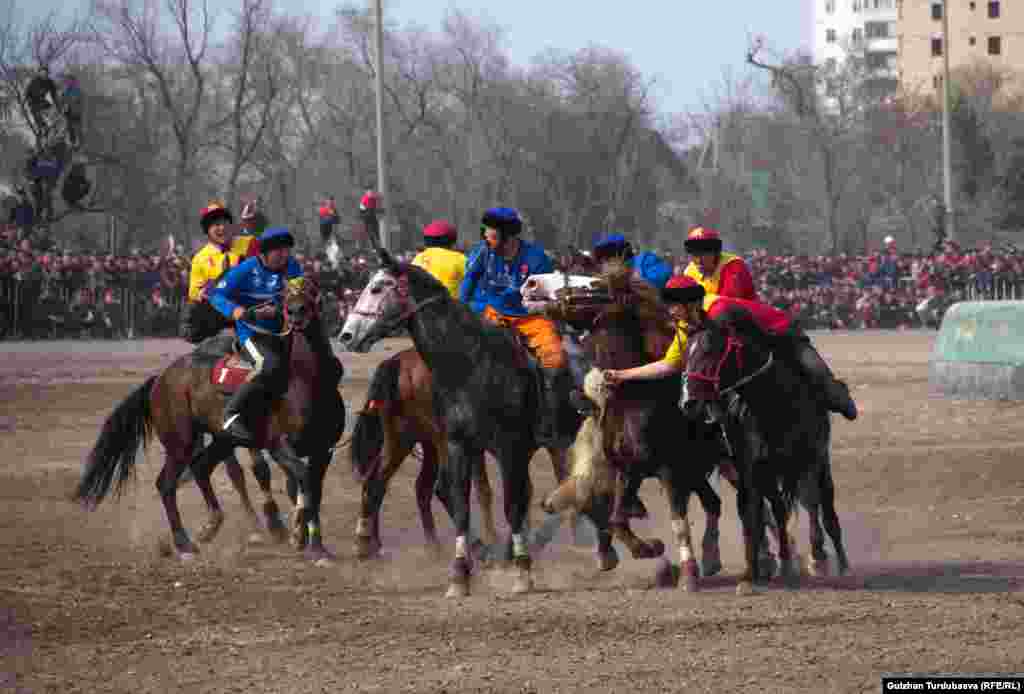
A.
pixel 680 282
pixel 703 234
pixel 439 229
pixel 369 201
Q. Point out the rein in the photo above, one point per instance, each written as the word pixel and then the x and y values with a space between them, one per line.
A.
pixel 405 315
pixel 733 344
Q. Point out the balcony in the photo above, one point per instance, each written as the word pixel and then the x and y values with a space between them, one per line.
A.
pixel 881 45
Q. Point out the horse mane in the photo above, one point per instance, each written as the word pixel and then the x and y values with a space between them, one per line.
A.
pixel 629 292
pixel 616 292
pixel 424 285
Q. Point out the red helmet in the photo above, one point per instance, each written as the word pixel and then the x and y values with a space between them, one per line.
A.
pixel 703 240
pixel 681 289
pixel 439 229
pixel 213 211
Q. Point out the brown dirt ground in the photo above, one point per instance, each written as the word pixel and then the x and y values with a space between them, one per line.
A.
pixel 931 494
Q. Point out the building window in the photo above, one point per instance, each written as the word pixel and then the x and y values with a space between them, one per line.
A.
pixel 830 6
pixel 880 30
pixel 936 11
pixel 995 45
pixel 830 36
pixel 993 10
pixel 937 47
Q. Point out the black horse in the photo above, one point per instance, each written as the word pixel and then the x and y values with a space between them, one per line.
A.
pixel 486 392
pixel 779 431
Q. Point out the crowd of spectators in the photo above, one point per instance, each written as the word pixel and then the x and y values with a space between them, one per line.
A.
pixel 48 292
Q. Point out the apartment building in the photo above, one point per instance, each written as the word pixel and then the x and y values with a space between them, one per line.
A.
pixel 979 31
pixel 867 27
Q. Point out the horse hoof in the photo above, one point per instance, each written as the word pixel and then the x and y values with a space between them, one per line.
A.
pixel 457 590
pixel 606 561
pixel 767 566
pixel 164 548
pixel 366 548
pixel 818 567
pixel 688 576
pixel 745 588
pixel 665 574
pixel 523 583
pixel 319 556
pixel 710 561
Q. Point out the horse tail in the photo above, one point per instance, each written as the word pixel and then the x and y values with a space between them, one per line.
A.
pixel 368 435
pixel 112 459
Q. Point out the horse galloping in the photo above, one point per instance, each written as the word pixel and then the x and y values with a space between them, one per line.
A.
pixel 486 393
pixel 639 428
pixel 781 444
pixel 184 401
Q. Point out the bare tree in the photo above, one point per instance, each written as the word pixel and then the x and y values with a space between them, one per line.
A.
pixel 132 33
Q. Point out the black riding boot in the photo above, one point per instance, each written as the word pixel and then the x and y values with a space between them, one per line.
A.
pixel 237 410
pixel 837 394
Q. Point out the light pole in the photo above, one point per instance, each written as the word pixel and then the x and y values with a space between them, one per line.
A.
pixel 378 69
pixel 947 163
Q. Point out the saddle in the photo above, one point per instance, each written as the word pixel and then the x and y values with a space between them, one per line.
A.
pixel 231 371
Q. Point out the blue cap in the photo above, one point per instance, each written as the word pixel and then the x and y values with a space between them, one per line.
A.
pixel 276 237
pixel 610 241
pixel 504 219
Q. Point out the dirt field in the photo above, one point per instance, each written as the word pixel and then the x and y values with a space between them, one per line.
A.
pixel 931 494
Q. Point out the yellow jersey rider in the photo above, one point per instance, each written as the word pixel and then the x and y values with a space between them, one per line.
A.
pixel 499 267
pixel 720 273
pixel 689 305
pixel 439 258
pixel 217 256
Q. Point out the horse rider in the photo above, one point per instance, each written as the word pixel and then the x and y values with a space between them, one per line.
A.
pixel 656 272
pixel 250 294
pixel 646 265
pixel 499 266
pixel 720 273
pixel 689 304
pixel 36 93
pixel 220 253
pixel 439 258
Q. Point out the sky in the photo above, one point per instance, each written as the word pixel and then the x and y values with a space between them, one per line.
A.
pixel 686 46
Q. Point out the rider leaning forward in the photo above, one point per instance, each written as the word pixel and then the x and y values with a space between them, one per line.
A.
pixel 690 306
pixel 498 268
pixel 251 295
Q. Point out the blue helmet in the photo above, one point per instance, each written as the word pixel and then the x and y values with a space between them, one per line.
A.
pixel 505 219
pixel 276 237
pixel 611 245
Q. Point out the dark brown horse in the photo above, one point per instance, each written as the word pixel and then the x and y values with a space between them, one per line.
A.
pixel 398 415
pixel 639 429
pixel 186 401
pixel 781 444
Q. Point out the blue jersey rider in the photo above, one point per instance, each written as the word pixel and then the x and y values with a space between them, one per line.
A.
pixel 251 295
pixel 646 265
pixel 497 268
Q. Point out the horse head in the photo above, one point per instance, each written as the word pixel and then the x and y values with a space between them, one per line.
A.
pixel 393 295
pixel 721 359
pixel 301 299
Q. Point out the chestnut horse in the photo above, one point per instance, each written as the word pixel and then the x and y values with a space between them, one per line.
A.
pixel 639 428
pixel 182 403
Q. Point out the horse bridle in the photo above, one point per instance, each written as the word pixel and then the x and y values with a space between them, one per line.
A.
pixel 733 343
pixel 410 308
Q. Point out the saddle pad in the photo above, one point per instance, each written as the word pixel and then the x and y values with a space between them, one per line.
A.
pixel 230 372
